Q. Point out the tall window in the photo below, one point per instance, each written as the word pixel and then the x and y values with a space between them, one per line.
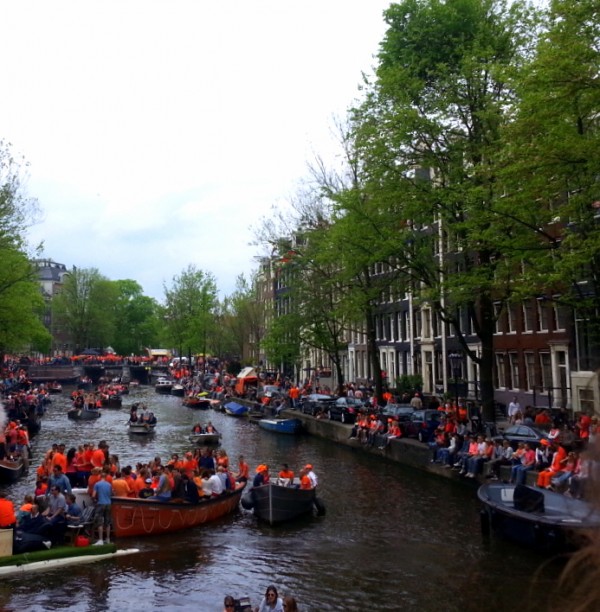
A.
pixel 530 371
pixel 426 323
pixel 528 316
pixel 543 315
pixel 586 400
pixel 513 359
pixel 512 318
pixel 498 315
pixel 559 317
pixel 500 371
pixel 417 323
pixel 546 370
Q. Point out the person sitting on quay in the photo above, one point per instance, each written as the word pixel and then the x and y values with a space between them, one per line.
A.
pixel 440 441
pixel 483 454
pixel 445 455
pixel 527 463
pixel 543 456
pixel 468 449
pixel 558 460
pixel 571 467
pixel 501 455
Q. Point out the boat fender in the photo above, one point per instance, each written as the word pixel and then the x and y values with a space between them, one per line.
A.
pixel 247 501
pixel 319 506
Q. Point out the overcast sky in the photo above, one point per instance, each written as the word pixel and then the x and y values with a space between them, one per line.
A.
pixel 159 133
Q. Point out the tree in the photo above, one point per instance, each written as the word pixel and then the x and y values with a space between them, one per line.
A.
pixel 85 308
pixel 136 319
pixel 189 309
pixel 553 163
pixel 428 137
pixel 21 306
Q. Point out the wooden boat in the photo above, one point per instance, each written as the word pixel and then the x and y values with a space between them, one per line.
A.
pixel 537 518
pixel 284 426
pixel 163 385
pixel 140 517
pixel 11 469
pixel 198 403
pixel 277 501
pixel 84 414
pixel 207 439
pixel 61 556
pixel 235 409
pixel 141 429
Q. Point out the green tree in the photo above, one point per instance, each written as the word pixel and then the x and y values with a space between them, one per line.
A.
pixel 190 305
pixel 428 137
pixel 553 164
pixel 21 306
pixel 136 319
pixel 85 308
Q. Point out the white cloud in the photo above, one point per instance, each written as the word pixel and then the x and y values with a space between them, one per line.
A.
pixel 159 132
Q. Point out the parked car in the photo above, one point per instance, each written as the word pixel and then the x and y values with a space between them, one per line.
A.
pixel 398 412
pixel 345 409
pixel 523 433
pixel 315 402
pixel 422 424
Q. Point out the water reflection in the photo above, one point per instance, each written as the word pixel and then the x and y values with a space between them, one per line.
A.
pixel 392 539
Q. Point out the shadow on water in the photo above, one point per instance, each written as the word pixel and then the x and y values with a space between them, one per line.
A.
pixel 392 538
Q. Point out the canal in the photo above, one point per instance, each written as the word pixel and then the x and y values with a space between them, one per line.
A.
pixel 392 538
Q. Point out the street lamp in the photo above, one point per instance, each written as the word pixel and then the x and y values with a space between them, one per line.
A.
pixel 455 359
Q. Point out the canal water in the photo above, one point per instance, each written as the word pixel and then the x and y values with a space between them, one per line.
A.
pixel 392 538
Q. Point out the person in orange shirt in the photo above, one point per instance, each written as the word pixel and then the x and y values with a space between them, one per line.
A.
pixel 305 482
pixel 558 460
pixel 188 465
pixel 8 518
pixel 98 458
pixel 286 473
pixel 93 479
pixel 60 458
pixel 222 458
pixel 120 486
pixel 243 472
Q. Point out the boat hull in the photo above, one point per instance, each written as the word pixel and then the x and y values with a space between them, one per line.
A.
pixel 276 504
pixel 141 430
pixel 11 471
pixel 206 439
pixel 235 409
pixel 83 415
pixel 142 517
pixel 196 403
pixel 536 518
pixel 283 426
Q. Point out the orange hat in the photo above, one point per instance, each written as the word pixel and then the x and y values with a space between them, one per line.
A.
pixel 308 466
pixel 545 442
pixel 261 468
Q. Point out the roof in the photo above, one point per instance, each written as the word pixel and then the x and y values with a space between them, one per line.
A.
pixel 248 373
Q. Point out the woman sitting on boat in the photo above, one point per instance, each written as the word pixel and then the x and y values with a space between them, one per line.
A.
pixel 262 476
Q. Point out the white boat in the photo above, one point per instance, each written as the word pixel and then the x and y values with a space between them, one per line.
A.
pixel 142 429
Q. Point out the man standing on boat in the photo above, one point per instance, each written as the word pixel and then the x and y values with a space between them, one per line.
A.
pixel 313 477
pixel 102 519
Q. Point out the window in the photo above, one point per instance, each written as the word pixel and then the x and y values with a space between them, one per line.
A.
pixel 528 317
pixel 512 319
pixel 543 315
pixel 498 315
pixel 500 371
pixel 403 325
pixel 559 318
pixel 513 359
pixel 546 370
pixel 417 323
pixel 426 323
pixel 586 400
pixel 529 371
